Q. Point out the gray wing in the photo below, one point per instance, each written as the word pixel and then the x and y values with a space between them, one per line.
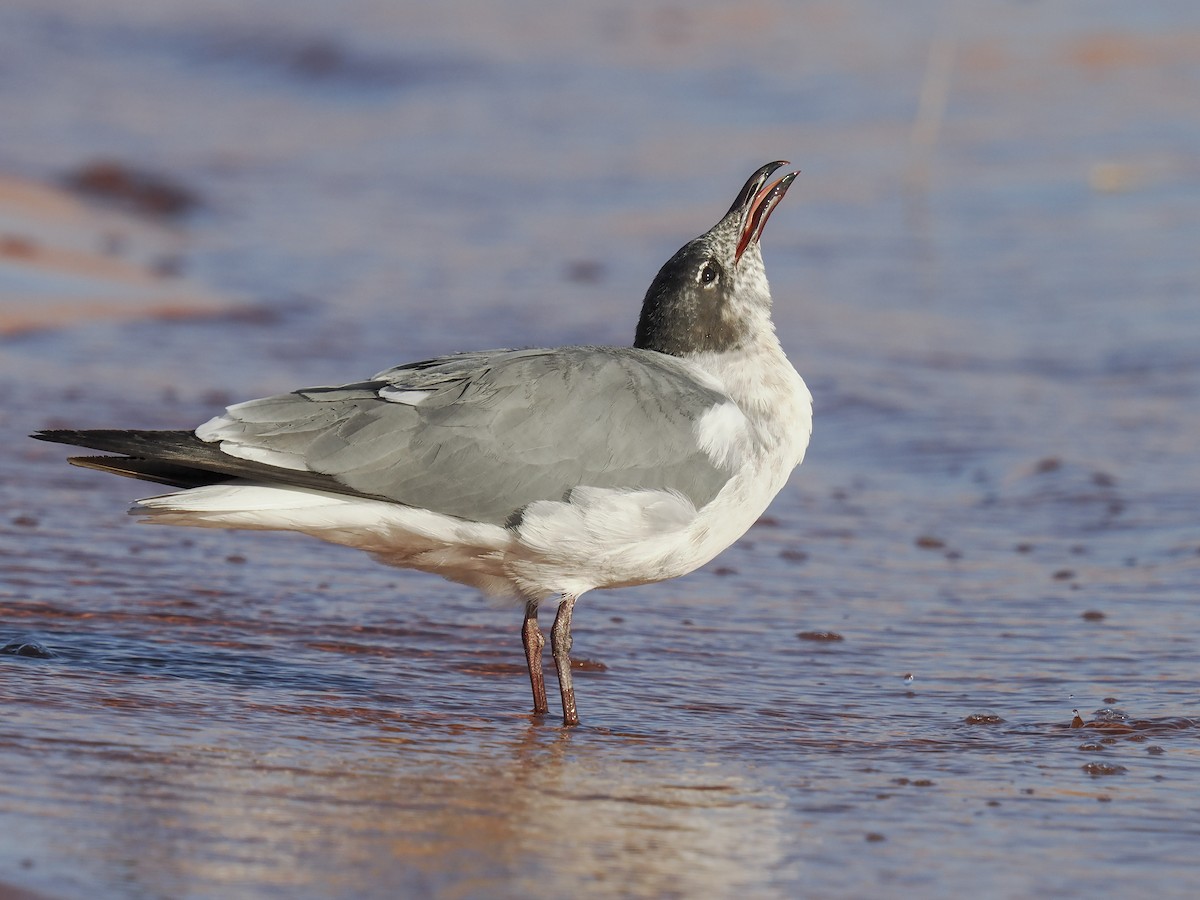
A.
pixel 480 435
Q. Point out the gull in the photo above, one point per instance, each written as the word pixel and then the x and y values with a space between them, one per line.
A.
pixel 534 474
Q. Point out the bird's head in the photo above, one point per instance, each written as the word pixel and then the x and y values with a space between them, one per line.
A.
pixel 712 295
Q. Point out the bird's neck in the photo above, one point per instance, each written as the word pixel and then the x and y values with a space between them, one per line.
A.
pixel 744 369
pixel 760 379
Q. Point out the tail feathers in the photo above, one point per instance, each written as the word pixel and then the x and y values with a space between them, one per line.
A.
pixel 259 500
pixel 245 505
pixel 180 459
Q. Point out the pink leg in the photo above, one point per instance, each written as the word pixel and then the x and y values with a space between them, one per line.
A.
pixel 560 645
pixel 531 637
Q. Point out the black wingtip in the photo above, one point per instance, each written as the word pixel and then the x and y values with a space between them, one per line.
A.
pixel 180 459
pixel 149 470
pixel 141 443
pixel 77 437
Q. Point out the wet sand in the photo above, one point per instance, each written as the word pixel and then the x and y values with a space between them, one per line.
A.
pixel 987 274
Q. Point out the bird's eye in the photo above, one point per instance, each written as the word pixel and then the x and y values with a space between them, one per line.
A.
pixel 710 274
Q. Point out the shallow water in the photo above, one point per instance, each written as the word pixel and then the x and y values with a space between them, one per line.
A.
pixel 871 693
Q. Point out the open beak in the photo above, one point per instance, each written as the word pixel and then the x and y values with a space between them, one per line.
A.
pixel 758 202
pixel 754 185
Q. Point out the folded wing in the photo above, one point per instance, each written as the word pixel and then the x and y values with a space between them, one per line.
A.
pixel 476 435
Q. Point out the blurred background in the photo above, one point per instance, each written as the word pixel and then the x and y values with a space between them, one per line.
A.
pixel 988 274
